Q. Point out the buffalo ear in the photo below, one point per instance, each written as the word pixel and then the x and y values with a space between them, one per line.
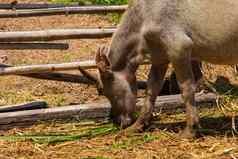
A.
pixel 103 63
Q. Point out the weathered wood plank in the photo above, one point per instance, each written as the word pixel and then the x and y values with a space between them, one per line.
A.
pixel 56 76
pixel 64 11
pixel 33 46
pixel 65 77
pixel 56 34
pixel 17 70
pixel 94 110
pixel 33 5
pixel 27 69
pixel 24 106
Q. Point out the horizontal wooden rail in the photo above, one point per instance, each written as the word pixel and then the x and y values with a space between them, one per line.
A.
pixel 63 11
pixel 28 69
pixel 33 46
pixel 34 5
pixel 18 70
pixel 65 77
pixel 55 34
pixel 169 103
pixel 56 76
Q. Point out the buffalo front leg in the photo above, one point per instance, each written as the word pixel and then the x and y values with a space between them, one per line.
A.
pixel 179 54
pixel 188 86
pixel 154 85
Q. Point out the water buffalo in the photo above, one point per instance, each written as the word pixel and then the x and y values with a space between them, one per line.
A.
pixel 166 31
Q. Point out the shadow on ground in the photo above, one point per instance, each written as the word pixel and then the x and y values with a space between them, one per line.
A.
pixel 211 126
pixel 223 86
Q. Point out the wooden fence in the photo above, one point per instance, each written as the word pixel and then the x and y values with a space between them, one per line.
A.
pixel 30 40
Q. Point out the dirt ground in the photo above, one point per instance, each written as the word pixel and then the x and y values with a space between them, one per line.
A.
pixel 97 140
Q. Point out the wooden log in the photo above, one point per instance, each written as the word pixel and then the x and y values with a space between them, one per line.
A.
pixel 33 5
pixel 24 106
pixel 64 77
pixel 64 11
pixel 56 34
pixel 33 46
pixel 18 70
pixel 95 110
